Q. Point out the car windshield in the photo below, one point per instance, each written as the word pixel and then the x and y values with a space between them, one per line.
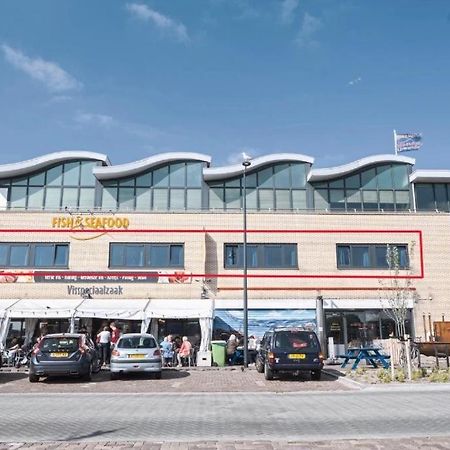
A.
pixel 60 344
pixel 137 342
pixel 296 340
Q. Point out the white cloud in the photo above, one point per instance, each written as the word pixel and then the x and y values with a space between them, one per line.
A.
pixel 143 12
pixel 102 120
pixel 49 73
pixel 309 27
pixel 355 81
pixel 288 8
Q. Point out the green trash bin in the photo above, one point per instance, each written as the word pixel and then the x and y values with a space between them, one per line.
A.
pixel 219 351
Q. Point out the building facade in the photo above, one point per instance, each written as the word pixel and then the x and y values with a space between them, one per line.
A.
pixel 157 245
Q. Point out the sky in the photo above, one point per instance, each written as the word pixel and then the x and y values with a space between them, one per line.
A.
pixel 326 78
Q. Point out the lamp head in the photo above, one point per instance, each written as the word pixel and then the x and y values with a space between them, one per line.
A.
pixel 246 160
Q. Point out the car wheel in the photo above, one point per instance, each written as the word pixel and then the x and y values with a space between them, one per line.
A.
pixel 88 375
pixel 158 375
pixel 98 367
pixel 114 376
pixel 33 378
pixel 316 374
pixel 259 366
pixel 268 373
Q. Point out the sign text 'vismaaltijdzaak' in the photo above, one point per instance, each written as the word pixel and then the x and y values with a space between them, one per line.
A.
pixel 91 222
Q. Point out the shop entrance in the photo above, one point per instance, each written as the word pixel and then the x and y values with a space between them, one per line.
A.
pixel 125 326
pixel 180 328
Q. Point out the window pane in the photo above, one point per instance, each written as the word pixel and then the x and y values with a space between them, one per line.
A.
pixel 35 197
pixel 143 199
pixel 283 199
pixel 273 256
pixel 281 176
pixel 233 198
pixel 176 256
pixel 87 197
pixel 299 199
pixel 387 200
pixel 37 179
pixel 144 180
pixel 71 174
pixel 177 199
pixel 62 255
pixel 425 197
pixel 337 199
pixel 126 198
pixel 370 200
pixel 265 177
pixel 360 256
pixel 54 176
pixel 194 174
pixel 134 256
pixel 43 255
pixel 403 257
pixel 252 256
pixel 343 256
pixel 18 256
pixel 353 182
pixel 160 197
pixel 380 257
pixel 161 177
pixel 298 175
pixel 402 200
pixel 400 175
pixel 117 256
pixel 216 198
pixel 127 182
pixel 266 199
pixel 320 199
pixel 87 177
pixel 18 197
pixel 251 180
pixel 252 198
pixel 336 184
pixel 194 199
pixel 369 179
pixel 52 198
pixel 159 256
pixel 231 256
pixel 70 197
pixel 290 255
pixel 178 175
pixel 440 193
pixel 384 177
pixel 109 199
pixel 3 254
pixel 353 199
pixel 236 182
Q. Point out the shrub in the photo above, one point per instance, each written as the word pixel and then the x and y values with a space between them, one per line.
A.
pixel 438 376
pixel 384 376
pixel 400 376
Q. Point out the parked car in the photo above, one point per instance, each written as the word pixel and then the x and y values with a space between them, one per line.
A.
pixel 291 350
pixel 64 354
pixel 136 352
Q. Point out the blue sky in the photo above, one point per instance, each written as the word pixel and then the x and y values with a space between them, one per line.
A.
pixel 327 78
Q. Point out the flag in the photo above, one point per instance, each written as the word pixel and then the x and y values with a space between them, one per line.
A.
pixel 408 141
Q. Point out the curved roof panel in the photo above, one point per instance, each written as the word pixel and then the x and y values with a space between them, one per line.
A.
pixel 31 165
pixel 133 168
pixel 339 171
pixel 430 176
pixel 224 172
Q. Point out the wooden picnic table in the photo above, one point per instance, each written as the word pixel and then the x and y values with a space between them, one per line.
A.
pixel 369 354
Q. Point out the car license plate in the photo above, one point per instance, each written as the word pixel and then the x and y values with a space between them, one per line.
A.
pixel 297 356
pixel 59 355
pixel 137 356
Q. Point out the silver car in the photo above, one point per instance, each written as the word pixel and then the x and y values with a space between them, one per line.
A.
pixel 136 352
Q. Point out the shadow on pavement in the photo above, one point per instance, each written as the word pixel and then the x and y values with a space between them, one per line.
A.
pixel 10 377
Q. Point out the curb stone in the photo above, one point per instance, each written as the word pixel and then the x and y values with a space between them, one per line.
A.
pixel 345 381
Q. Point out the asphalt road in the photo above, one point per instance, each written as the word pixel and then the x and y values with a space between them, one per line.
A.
pixel 233 416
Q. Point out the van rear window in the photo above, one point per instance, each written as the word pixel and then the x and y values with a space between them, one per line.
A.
pixel 296 340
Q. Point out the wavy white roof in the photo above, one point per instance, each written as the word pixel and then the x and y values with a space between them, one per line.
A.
pixel 220 173
pixel 335 172
pixel 133 168
pixel 30 165
pixel 430 176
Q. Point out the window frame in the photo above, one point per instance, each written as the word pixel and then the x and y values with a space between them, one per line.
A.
pixel 372 256
pixel 31 253
pixel 146 255
pixel 259 251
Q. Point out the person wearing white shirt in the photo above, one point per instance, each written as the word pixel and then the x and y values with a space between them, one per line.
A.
pixel 104 342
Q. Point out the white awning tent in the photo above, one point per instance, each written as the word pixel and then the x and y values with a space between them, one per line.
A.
pixel 43 308
pixel 180 309
pixel 133 309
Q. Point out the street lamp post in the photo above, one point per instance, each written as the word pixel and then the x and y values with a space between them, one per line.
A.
pixel 246 163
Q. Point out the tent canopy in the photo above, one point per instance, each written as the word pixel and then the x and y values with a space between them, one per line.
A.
pixel 112 309
pixel 180 308
pixel 43 308
pixel 4 305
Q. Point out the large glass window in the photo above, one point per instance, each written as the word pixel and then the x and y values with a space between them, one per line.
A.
pixel 34 254
pixel 432 196
pixel 261 256
pixel 146 255
pixel 370 256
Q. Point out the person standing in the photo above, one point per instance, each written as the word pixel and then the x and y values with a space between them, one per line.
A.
pixel 184 351
pixel 104 342
pixel 232 345
pixel 115 334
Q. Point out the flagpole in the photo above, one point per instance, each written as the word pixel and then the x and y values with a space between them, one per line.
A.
pixel 395 142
